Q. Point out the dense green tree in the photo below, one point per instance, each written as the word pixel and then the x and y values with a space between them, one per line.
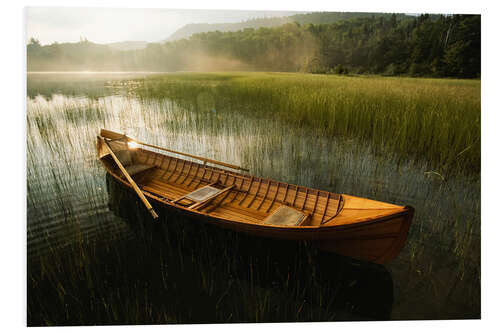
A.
pixel 426 45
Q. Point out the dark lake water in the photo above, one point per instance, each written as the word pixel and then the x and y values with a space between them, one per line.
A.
pixel 436 276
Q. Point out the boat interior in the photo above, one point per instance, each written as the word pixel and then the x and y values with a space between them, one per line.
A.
pixel 222 193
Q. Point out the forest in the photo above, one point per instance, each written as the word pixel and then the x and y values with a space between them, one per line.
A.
pixel 424 45
pixel 268 22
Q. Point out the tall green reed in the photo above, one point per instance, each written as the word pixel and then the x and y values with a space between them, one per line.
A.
pixel 201 116
pixel 435 120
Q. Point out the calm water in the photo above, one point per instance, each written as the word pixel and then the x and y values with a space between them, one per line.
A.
pixel 436 276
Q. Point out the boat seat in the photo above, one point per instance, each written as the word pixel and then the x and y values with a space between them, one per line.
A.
pixel 202 194
pixel 286 216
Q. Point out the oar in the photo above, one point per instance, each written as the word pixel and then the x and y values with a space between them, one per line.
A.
pixel 114 135
pixel 131 181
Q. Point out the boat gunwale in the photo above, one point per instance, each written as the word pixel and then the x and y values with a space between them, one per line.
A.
pixel 238 221
pixel 325 227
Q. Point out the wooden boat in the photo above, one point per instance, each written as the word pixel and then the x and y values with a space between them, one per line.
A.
pixel 356 227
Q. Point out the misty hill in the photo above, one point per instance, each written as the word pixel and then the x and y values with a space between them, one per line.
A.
pixel 425 45
pixel 191 29
pixel 313 18
pixel 128 45
pixel 81 56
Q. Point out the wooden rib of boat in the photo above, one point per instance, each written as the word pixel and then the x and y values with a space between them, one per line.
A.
pixel 356 227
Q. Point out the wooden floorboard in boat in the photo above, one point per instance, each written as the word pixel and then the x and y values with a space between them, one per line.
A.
pixel 166 187
pixel 230 215
pixel 245 211
pixel 157 193
pixel 295 195
pixel 291 195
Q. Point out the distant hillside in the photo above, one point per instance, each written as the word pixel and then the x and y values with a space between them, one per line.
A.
pixel 314 18
pixel 190 29
pixel 424 45
pixel 80 56
pixel 128 45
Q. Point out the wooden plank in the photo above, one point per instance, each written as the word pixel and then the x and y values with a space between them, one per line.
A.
pixel 209 178
pixel 227 178
pixel 274 199
pixel 326 207
pixel 147 157
pixel 230 172
pixel 156 192
pixel 233 182
pixel 164 158
pixel 194 176
pixel 305 199
pixel 161 162
pixel 175 167
pixel 228 214
pixel 166 187
pixel 235 209
pixel 295 195
pixel 336 212
pixel 203 175
pixel 248 191
pixel 265 194
pixel 286 192
pixel 180 171
pixel 187 174
pixel 166 169
pixel 236 193
pixel 315 201
pixel 173 186
pixel 132 182
pixel 218 177
pixel 227 193
pixel 185 195
pixel 206 201
pixel 211 208
pixel 256 192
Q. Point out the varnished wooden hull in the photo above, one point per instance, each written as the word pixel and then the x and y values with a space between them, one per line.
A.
pixel 351 226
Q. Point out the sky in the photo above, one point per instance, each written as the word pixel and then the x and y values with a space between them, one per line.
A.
pixel 107 25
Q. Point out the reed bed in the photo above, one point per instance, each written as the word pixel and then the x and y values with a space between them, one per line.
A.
pixel 86 266
pixel 435 120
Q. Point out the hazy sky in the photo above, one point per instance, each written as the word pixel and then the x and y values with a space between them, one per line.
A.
pixel 105 25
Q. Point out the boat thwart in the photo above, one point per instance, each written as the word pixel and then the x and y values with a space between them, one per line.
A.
pixel 348 225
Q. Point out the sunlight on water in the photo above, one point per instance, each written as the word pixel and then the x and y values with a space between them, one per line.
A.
pixel 67 194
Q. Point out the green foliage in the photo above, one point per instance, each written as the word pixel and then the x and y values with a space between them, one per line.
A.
pixel 85 268
pixel 268 22
pixel 433 46
pixel 432 120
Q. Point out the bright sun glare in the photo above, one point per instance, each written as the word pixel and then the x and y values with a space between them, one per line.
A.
pixel 133 144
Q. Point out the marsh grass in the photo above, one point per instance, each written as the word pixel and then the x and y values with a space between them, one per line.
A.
pixel 434 120
pixel 81 245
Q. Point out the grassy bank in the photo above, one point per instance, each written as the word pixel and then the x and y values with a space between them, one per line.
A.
pixel 435 120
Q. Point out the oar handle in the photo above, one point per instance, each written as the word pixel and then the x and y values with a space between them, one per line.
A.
pixel 153 213
pixel 131 181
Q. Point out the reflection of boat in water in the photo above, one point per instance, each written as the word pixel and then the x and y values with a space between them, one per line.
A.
pixel 356 227
pixel 294 276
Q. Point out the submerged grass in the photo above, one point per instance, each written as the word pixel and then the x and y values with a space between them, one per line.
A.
pixel 435 120
pixel 78 274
